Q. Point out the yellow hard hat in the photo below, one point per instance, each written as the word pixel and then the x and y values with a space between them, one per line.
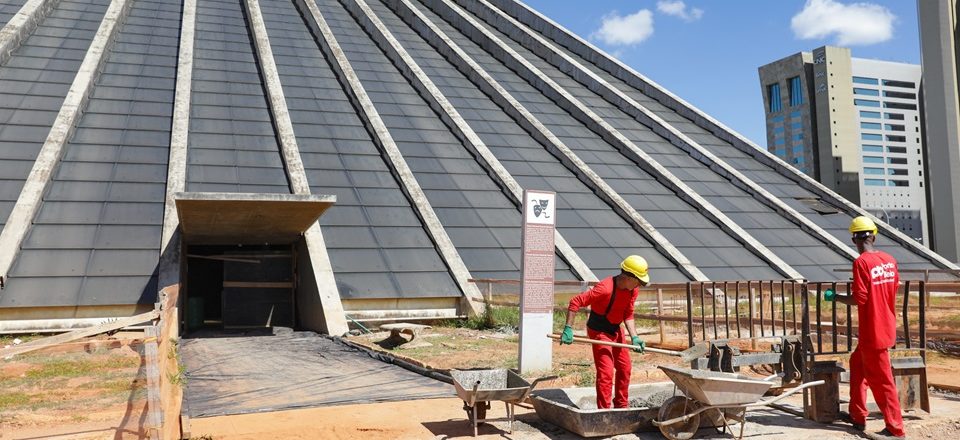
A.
pixel 636 266
pixel 863 224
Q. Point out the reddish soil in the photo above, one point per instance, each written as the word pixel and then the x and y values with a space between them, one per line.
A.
pixel 84 390
pixel 415 419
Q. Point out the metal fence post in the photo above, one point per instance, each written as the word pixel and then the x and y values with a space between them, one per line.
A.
pixel 663 335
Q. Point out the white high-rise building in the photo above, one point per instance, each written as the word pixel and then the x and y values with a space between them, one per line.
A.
pixel 854 125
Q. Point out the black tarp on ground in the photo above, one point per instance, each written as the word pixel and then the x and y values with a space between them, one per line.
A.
pixel 247 373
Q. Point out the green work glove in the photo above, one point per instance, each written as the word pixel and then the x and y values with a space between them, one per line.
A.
pixel 636 341
pixel 829 295
pixel 567 336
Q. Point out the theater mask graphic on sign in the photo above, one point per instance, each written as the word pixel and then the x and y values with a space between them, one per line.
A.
pixel 540 208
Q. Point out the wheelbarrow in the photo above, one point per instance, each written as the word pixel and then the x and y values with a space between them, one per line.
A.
pixel 730 395
pixel 478 387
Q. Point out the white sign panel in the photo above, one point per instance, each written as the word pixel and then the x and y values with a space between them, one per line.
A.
pixel 536 288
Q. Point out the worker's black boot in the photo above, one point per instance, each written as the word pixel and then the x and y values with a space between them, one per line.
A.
pixel 886 435
pixel 856 426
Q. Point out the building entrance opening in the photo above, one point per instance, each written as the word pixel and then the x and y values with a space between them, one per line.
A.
pixel 241 286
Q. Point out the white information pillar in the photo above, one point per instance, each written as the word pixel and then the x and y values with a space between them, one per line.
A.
pixel 536 288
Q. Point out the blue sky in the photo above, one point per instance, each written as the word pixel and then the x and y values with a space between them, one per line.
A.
pixel 708 51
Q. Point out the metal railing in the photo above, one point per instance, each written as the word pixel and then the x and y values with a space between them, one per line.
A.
pixel 755 310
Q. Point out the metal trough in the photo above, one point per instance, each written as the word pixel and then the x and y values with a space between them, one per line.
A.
pixel 575 409
pixel 478 387
pixel 482 385
pixel 716 388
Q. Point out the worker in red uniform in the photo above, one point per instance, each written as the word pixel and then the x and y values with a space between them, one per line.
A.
pixel 875 282
pixel 611 303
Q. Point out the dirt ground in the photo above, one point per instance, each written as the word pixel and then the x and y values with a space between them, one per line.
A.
pixel 448 347
pixel 92 389
pixel 445 419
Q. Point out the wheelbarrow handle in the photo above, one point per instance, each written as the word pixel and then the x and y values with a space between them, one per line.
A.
pixel 473 395
pixel 533 385
pixel 541 379
pixel 617 344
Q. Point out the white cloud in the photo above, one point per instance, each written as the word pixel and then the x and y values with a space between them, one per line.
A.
pixel 853 24
pixel 678 8
pixel 625 30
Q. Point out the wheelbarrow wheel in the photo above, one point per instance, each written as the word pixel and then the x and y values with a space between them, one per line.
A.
pixel 481 410
pixel 674 407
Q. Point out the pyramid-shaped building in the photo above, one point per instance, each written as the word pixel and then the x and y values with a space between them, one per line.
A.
pixel 150 143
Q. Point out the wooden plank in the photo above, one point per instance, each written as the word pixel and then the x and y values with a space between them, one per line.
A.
pixel 222 258
pixel 258 285
pixel 80 333
pixel 945 387
pixel 154 408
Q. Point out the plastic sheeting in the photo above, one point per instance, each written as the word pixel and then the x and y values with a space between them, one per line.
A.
pixel 260 372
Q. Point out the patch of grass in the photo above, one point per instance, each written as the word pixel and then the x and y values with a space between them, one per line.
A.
pixel 8 339
pixel 60 368
pixel 9 400
pixel 951 322
pixel 116 386
pixel 179 377
pixel 491 318
pixel 587 378
pixel 76 418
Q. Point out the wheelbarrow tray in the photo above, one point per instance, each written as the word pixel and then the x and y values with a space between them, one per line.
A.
pixel 574 409
pixel 715 388
pixel 495 384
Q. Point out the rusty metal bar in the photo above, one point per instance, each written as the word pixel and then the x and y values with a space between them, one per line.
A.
pixel 689 315
pixel 783 306
pixel 750 307
pixel 793 304
pixel 713 308
pixel 703 313
pixel 736 302
pixel 726 310
pixel 773 312
pixel 819 324
pixel 906 318
pixel 805 339
pixel 760 306
pixel 923 320
pixel 833 317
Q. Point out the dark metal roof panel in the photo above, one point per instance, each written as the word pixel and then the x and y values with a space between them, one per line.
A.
pixel 9 8
pixel 100 220
pixel 34 82
pixel 230 110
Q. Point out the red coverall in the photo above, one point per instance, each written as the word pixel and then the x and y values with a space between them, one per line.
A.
pixel 875 281
pixel 608 358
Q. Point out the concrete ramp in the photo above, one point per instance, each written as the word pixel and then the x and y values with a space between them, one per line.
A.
pixel 254 372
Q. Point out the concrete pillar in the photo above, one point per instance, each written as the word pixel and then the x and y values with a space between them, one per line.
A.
pixel 177 162
pixel 321 308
